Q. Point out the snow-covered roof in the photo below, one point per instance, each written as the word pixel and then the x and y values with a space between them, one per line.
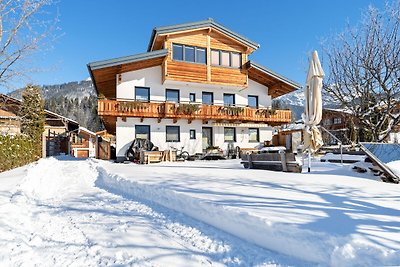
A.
pixel 86 130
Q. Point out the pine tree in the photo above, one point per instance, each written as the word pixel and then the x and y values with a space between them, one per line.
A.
pixel 32 115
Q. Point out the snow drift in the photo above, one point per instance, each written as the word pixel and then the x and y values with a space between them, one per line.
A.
pixel 319 247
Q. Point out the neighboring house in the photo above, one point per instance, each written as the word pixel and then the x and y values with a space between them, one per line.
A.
pixel 57 127
pixel 339 123
pixel 194 88
pixel 83 143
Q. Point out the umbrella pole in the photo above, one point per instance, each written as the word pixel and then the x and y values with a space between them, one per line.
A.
pixel 309 160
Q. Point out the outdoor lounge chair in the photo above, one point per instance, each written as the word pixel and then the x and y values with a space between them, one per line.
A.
pixel 272 161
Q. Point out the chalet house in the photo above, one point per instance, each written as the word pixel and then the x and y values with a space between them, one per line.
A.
pixel 57 127
pixel 83 143
pixel 338 123
pixel 195 87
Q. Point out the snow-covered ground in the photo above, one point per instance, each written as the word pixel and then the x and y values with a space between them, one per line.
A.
pixel 89 213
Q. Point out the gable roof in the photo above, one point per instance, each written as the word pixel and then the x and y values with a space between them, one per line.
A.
pixel 209 23
pixel 277 84
pixel 103 73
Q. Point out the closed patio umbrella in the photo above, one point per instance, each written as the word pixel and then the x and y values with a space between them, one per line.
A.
pixel 313 107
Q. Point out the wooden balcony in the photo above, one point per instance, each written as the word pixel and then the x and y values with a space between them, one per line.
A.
pixel 166 110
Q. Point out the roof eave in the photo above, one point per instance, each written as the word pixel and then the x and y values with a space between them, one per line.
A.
pixel 283 79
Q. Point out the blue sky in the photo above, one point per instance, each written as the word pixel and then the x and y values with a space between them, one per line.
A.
pixel 287 31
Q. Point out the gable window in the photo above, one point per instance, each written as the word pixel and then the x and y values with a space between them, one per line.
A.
pixel 254 135
pixel 172 95
pixel 142 132
pixel 189 53
pixel 192 97
pixel 252 101
pixel 192 134
pixel 229 134
pixel 142 94
pixel 177 52
pixel 207 98
pixel 173 133
pixel 229 99
pixel 225 58
pixel 337 120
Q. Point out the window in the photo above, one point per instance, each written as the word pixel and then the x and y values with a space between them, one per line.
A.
pixel 252 101
pixel 208 98
pixel 192 97
pixel 226 58
pixel 177 52
pixel 229 134
pixel 192 134
pixel 337 120
pixel 235 60
pixel 142 94
pixel 142 132
pixel 200 55
pixel 173 133
pixel 327 122
pixel 215 57
pixel 254 135
pixel 172 95
pixel 229 99
pixel 189 53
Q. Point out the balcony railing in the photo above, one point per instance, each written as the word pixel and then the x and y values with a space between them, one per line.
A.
pixel 191 111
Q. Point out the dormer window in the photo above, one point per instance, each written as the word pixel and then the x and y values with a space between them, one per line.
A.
pixel 189 53
pixel 225 58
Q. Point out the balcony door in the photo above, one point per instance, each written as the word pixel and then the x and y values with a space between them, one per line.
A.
pixel 207 137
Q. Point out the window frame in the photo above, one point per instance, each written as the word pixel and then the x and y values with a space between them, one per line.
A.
pixel 256 97
pixel 233 98
pixel 230 59
pixel 194 97
pixel 172 90
pixel 212 98
pixel 192 134
pixel 166 133
pixel 234 134
pixel 195 48
pixel 148 128
pixel 148 93
pixel 258 135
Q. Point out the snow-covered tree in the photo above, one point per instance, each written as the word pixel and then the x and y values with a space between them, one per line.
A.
pixel 32 114
pixel 364 71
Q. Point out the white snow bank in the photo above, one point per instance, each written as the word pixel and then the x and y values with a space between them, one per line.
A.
pixel 322 246
pixel 51 178
pixel 394 166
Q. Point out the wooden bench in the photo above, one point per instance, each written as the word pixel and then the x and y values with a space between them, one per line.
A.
pixel 272 161
pixel 147 157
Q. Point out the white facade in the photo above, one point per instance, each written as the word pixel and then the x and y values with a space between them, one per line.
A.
pixel 151 77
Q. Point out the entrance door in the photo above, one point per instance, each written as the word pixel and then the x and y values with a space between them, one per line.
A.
pixel 207 137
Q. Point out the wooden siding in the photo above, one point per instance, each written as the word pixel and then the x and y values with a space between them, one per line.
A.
pixel 164 110
pixel 204 73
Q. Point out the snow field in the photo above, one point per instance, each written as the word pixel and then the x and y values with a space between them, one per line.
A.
pixel 53 214
pixel 331 219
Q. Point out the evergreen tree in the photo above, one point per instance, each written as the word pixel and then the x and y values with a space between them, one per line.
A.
pixel 32 115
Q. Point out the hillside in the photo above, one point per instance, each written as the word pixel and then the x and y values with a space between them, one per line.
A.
pixel 74 100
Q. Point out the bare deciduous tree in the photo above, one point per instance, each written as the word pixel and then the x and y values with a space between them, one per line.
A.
pixel 23 27
pixel 364 71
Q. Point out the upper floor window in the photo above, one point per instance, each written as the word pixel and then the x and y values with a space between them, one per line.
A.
pixel 207 98
pixel 337 120
pixel 142 94
pixel 172 95
pixel 252 101
pixel 189 53
pixel 229 99
pixel 225 58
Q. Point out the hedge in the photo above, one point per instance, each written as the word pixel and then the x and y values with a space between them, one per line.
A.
pixel 16 151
